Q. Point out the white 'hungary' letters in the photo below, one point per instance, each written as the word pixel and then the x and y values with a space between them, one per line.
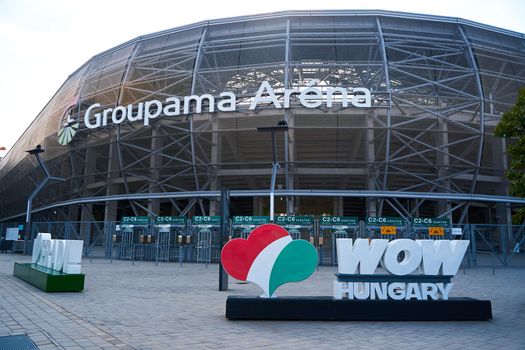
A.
pixel 427 257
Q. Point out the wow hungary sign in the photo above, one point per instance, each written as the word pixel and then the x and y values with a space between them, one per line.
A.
pixel 422 272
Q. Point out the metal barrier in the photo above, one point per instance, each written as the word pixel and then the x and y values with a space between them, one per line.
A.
pixel 490 245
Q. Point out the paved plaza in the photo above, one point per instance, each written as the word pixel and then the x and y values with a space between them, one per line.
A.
pixel 144 306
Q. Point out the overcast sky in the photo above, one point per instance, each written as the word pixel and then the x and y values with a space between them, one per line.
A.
pixel 43 41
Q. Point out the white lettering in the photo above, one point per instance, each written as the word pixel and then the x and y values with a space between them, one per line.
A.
pixel 287 94
pixel 60 255
pixel 362 100
pixel 311 97
pixel 198 103
pixel 396 291
pixel 442 256
pixel 173 108
pixel 362 255
pixel 429 290
pixel 265 89
pixel 147 110
pixel 114 116
pixel 330 96
pixel 412 291
pixel 140 109
pixel 444 289
pixel 105 116
pixel 227 104
pixel 87 122
pixel 379 290
pixel 411 260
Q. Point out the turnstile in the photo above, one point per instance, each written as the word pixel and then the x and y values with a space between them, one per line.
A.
pixel 167 230
pixel 330 229
pixel 206 238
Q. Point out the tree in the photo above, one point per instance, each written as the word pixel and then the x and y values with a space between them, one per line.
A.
pixel 512 125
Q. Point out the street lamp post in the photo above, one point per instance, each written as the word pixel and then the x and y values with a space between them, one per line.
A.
pixel 281 126
pixel 27 229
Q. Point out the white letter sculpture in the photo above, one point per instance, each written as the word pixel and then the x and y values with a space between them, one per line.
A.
pixel 57 254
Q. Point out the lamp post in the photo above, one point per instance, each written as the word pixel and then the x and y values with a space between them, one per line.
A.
pixel 281 126
pixel 27 229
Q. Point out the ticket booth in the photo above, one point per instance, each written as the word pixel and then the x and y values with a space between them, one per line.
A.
pixel 430 228
pixel 167 230
pixel 331 228
pixel 242 226
pixel 205 238
pixel 385 227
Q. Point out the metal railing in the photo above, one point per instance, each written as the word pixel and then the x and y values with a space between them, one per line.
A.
pixel 490 245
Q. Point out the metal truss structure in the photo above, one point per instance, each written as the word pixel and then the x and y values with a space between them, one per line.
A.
pixel 425 148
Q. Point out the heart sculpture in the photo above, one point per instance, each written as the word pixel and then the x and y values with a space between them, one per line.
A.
pixel 269 258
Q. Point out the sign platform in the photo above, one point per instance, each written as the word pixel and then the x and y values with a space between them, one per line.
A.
pixel 329 309
pixel 49 280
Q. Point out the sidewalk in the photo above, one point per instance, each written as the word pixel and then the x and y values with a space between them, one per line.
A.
pixel 144 306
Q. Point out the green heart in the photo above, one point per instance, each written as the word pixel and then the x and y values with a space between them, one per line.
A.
pixel 296 262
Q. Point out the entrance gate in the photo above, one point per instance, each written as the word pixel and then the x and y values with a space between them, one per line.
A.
pixel 385 227
pixel 206 234
pixel 299 227
pixel 242 226
pixel 167 229
pixel 430 228
pixel 331 228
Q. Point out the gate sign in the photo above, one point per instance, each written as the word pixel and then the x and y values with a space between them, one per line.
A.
pixel 250 220
pixel 339 220
pixel 174 220
pixel 384 220
pixel 206 220
pixel 428 222
pixel 436 231
pixel 388 230
pixel 135 220
pixel 294 220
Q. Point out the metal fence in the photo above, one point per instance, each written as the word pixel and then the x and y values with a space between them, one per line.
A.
pixel 490 245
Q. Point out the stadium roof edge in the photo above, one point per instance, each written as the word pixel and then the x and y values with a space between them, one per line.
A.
pixel 306 13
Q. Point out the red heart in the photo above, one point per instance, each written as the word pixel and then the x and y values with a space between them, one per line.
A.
pixel 238 254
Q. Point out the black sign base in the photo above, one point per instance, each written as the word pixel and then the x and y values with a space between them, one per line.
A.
pixel 329 309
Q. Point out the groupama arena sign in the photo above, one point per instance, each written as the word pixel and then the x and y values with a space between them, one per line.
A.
pixel 309 97
pixel 412 284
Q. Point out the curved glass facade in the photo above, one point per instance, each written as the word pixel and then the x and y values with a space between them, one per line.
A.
pixel 439 86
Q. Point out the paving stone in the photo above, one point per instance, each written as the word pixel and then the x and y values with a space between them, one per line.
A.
pixel 144 306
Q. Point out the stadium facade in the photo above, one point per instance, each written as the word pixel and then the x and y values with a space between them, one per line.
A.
pixel 389 114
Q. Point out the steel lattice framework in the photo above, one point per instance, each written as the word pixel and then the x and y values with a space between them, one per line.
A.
pixel 426 147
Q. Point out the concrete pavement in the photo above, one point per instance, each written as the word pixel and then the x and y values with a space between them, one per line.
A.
pixel 144 306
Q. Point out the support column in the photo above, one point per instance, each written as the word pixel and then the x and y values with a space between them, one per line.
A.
pixel 110 211
pixel 443 163
pixel 289 139
pixel 371 203
pixel 86 213
pixel 503 210
pixel 155 163
pixel 216 158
